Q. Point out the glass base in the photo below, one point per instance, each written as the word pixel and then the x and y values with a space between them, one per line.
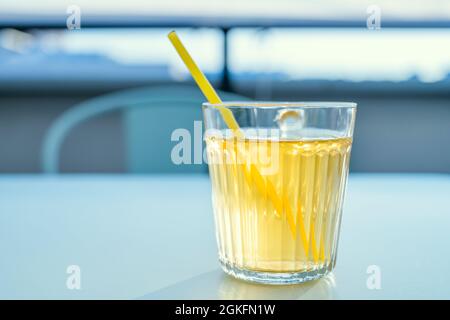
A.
pixel 275 278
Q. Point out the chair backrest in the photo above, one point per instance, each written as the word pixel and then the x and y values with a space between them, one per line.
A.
pixel 151 115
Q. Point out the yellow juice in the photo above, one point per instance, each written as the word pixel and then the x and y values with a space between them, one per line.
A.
pixel 277 203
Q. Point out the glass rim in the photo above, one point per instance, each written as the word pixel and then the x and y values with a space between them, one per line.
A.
pixel 281 104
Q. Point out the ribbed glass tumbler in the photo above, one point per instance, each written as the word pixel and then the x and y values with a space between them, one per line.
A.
pixel 278 186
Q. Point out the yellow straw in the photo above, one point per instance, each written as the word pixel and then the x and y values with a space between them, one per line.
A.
pixel 204 84
pixel 265 187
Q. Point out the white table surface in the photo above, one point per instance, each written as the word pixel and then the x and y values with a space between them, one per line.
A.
pixel 152 237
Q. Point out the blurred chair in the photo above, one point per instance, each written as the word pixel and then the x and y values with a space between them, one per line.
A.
pixel 150 116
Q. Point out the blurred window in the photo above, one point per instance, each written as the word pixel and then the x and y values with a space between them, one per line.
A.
pixel 105 54
pixel 126 55
pixel 342 54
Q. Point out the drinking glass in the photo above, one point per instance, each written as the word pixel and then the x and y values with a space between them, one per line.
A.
pixel 278 186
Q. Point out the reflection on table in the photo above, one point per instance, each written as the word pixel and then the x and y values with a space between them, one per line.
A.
pixel 217 285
